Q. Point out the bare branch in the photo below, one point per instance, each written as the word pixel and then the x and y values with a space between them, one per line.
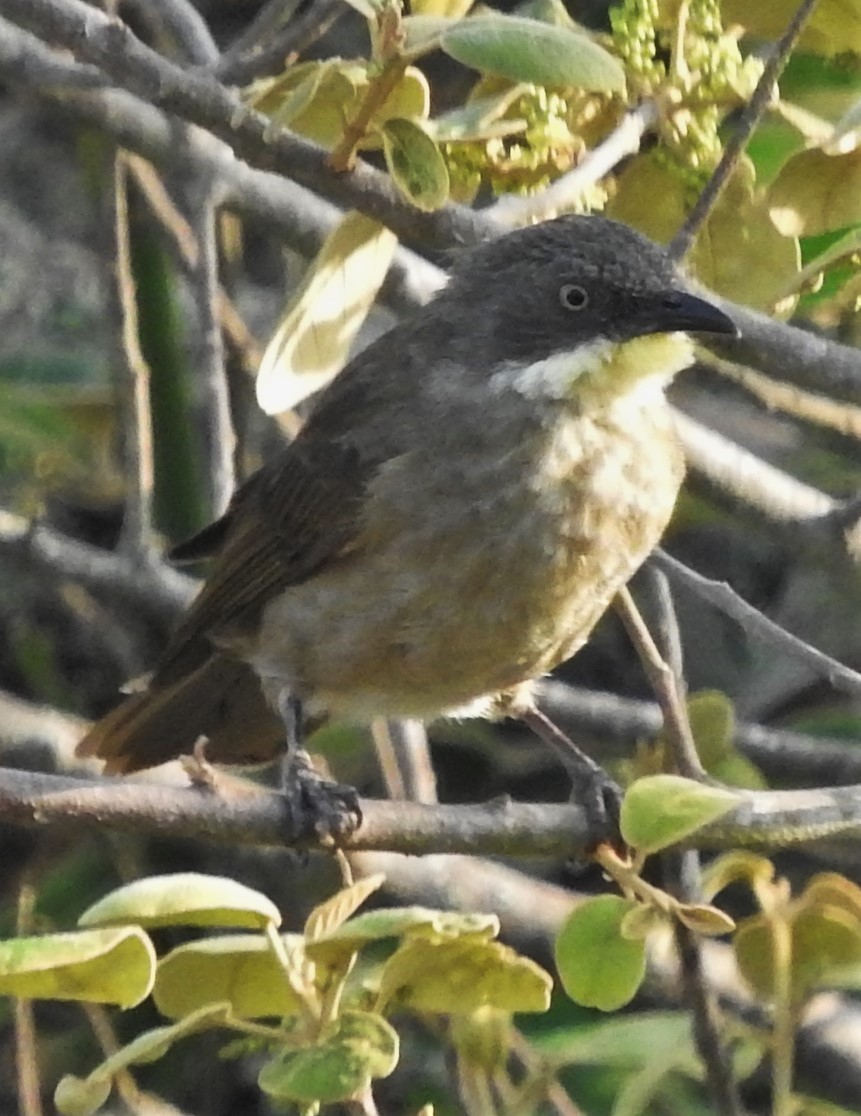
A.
pixel 273 38
pixel 185 25
pixel 666 685
pixel 139 463
pixel 619 722
pixel 200 99
pixel 762 819
pixel 777 349
pixel 150 583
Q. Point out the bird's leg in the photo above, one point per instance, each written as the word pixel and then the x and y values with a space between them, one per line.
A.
pixel 591 786
pixel 334 807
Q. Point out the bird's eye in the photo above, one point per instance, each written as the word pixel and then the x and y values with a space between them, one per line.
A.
pixel 573 297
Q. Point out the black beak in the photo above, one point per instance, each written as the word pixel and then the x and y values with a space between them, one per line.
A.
pixel 680 310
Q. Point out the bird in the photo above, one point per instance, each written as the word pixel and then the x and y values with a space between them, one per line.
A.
pixel 461 506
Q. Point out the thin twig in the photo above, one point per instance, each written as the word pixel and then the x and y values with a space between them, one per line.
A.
pixel 26 1060
pixel 722 597
pixel 750 117
pixel 681 877
pixel 404 758
pixel 139 464
pixel 663 682
pixel 184 24
pixel 274 39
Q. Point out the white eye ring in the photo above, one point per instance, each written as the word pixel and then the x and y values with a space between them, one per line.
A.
pixel 573 297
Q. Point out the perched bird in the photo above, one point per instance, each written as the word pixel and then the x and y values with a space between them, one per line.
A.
pixel 460 508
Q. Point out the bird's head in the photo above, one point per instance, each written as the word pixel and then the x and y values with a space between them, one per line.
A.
pixel 579 304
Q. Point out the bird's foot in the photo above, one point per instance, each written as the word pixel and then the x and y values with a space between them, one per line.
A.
pixel 319 805
pixel 600 798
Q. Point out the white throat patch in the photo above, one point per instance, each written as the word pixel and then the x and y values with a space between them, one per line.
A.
pixel 603 369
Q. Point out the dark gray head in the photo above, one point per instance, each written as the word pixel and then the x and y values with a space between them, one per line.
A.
pixel 550 287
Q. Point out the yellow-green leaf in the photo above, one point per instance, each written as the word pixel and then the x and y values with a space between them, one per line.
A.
pixel 76 1096
pixel 81 1096
pixel 748 867
pixel 360 1047
pixel 661 810
pixel 321 320
pixel 448 9
pixel 817 193
pixel 455 975
pixel 395 922
pixel 110 966
pixel 704 919
pixel 415 163
pixel 328 916
pixel 739 253
pixel 183 899
pixel 237 969
pixel 834 26
pixel 599 967
pixel 640 921
pixel 533 51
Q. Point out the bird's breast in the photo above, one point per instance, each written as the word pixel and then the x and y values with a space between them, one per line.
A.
pixel 477 570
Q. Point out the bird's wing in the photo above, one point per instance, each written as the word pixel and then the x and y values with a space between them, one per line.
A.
pixel 288 520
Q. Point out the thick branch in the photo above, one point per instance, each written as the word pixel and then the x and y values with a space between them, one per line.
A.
pixel 762 819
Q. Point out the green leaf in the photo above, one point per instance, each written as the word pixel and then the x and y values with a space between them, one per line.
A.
pixel 599 967
pixel 112 966
pixel 661 810
pixel 455 975
pixel 532 51
pixel 415 163
pixel 626 1042
pixel 237 969
pixel 183 899
pixel 361 1046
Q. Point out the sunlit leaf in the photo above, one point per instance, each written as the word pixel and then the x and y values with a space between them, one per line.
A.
pixel 360 1047
pixel 461 975
pixel 738 865
pixel 817 193
pixel 183 899
pixel 110 966
pixel 322 318
pixel 76 1096
pixel 328 916
pixel 237 969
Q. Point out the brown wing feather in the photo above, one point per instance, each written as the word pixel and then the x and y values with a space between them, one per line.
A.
pixel 287 521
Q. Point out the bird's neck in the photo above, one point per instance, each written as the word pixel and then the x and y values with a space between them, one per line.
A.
pixel 602 374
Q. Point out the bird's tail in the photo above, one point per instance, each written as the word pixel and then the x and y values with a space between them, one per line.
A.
pixel 221 700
